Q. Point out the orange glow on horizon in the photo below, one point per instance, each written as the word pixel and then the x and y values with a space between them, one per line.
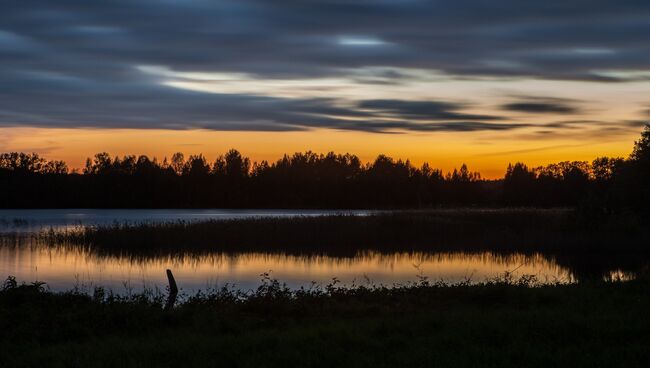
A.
pixel 488 153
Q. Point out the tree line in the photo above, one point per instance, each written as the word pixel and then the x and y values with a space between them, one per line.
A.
pixel 311 180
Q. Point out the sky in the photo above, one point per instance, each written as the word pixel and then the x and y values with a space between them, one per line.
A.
pixel 448 82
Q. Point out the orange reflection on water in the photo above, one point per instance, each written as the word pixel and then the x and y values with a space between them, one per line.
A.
pixel 64 268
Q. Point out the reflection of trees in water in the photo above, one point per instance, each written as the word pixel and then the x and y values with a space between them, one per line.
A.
pixel 578 266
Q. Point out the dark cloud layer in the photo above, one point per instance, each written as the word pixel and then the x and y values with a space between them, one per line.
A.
pixel 85 103
pixel 74 63
pixel 433 110
pixel 543 105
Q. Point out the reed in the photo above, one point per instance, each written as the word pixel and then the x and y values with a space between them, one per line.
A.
pixel 499 230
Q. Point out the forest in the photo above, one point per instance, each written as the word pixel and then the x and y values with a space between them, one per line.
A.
pixel 312 180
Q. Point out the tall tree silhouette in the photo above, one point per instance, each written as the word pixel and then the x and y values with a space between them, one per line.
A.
pixel 637 174
pixel 519 185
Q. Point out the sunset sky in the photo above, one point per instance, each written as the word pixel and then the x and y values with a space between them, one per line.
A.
pixel 480 82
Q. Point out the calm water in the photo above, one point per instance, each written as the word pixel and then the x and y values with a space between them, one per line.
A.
pixel 32 220
pixel 64 268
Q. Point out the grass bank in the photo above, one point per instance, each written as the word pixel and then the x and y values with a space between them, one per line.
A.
pixel 504 323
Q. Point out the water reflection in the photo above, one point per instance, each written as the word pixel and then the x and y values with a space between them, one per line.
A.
pixel 21 220
pixel 65 267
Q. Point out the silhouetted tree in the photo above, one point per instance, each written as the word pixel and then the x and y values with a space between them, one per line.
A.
pixel 635 181
pixel 235 166
pixel 641 151
pixel 178 163
pixel 519 185
pixel 605 168
pixel 196 166
pixel 308 179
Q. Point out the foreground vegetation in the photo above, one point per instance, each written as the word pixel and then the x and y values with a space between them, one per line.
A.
pixel 502 323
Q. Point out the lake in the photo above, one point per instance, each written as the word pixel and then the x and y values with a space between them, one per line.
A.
pixel 65 267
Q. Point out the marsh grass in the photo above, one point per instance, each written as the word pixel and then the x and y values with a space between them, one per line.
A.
pixel 507 230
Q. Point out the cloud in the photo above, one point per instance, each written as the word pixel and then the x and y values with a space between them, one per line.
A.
pixel 55 101
pixel 287 37
pixel 421 109
pixel 531 150
pixel 75 63
pixel 453 126
pixel 586 130
pixel 542 105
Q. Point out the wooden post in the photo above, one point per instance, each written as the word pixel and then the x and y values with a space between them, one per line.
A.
pixel 173 291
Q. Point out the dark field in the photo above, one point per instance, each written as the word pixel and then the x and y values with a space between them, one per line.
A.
pixel 503 323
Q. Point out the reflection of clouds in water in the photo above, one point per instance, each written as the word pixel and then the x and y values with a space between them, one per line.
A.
pixel 59 266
